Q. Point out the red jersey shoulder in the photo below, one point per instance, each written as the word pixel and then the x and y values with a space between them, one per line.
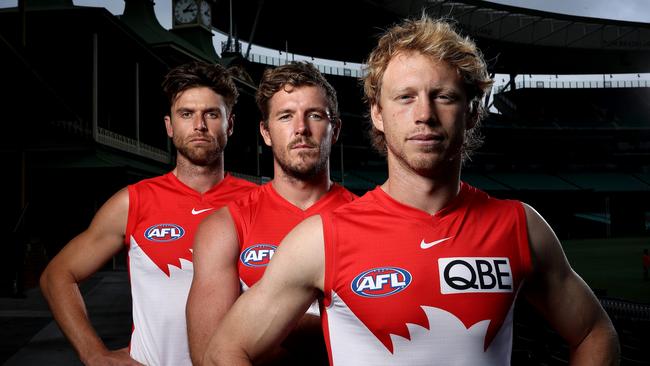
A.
pixel 345 194
pixel 355 203
pixel 251 197
pixel 161 181
pixel 239 183
pixel 481 203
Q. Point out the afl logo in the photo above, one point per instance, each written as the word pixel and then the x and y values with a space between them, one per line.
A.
pixel 164 232
pixel 380 282
pixel 259 255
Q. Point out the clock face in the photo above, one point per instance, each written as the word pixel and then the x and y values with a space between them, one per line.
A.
pixel 186 11
pixel 206 14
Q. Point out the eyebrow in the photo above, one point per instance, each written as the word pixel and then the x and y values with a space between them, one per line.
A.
pixel 207 110
pixel 283 111
pixel 318 109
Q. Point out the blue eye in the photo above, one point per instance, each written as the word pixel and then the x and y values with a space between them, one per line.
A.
pixel 404 98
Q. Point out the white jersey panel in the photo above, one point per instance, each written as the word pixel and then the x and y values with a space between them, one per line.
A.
pixel 449 343
pixel 160 331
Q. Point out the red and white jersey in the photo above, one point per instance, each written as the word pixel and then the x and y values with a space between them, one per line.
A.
pixel 403 287
pixel 164 214
pixel 264 218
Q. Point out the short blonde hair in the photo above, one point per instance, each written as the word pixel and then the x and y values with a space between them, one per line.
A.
pixel 439 40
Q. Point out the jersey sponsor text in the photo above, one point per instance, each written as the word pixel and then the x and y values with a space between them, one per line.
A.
pixel 474 274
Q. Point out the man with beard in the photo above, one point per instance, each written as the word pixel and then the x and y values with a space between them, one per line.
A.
pixel 425 269
pixel 156 220
pixel 300 122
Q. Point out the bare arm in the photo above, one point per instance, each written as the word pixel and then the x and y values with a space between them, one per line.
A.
pixel 566 301
pixel 79 259
pixel 215 285
pixel 266 313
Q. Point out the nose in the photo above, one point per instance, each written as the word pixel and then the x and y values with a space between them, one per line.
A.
pixel 301 127
pixel 424 111
pixel 200 123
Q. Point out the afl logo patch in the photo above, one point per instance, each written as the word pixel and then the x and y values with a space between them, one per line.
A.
pixel 258 255
pixel 164 232
pixel 380 282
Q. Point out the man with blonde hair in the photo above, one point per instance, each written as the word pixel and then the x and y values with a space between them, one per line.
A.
pixel 425 269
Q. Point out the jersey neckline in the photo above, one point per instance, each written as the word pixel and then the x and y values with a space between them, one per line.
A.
pixel 316 207
pixel 393 205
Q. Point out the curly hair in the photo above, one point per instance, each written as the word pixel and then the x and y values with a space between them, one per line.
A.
pixel 200 74
pixel 440 41
pixel 294 74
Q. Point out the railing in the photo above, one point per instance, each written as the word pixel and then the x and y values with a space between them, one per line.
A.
pixel 236 47
pixel 74 127
pixel 128 144
pixel 325 69
pixel 580 84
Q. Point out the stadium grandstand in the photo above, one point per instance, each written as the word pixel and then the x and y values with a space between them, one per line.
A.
pixel 577 148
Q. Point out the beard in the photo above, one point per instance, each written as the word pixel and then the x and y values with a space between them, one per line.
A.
pixel 426 160
pixel 307 164
pixel 205 155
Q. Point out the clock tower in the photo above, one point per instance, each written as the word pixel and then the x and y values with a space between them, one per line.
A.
pixel 192 14
pixel 192 20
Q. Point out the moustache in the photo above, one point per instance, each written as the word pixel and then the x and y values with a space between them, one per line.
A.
pixel 300 141
pixel 199 137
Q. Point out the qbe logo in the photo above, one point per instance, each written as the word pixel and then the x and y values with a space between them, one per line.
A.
pixel 164 232
pixel 380 282
pixel 474 274
pixel 258 255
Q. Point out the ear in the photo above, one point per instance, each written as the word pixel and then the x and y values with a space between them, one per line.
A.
pixel 231 124
pixel 336 129
pixel 265 134
pixel 168 127
pixel 377 119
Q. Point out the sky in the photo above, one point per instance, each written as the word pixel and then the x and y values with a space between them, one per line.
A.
pixel 630 10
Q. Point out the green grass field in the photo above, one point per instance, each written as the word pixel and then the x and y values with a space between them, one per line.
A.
pixel 611 264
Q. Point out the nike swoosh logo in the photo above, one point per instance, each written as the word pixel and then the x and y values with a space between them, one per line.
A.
pixel 425 245
pixel 196 212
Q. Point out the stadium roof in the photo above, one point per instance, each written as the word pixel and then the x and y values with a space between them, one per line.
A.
pixel 514 40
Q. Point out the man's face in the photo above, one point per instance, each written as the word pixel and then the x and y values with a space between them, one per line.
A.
pixel 199 125
pixel 300 131
pixel 423 112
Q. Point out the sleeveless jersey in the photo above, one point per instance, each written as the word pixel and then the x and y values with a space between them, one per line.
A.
pixel 264 218
pixel 163 216
pixel 403 287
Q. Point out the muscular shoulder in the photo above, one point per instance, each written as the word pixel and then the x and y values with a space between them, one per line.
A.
pixel 215 225
pixel 302 253
pixel 115 208
pixel 545 248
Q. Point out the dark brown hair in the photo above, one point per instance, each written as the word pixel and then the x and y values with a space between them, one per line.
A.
pixel 200 74
pixel 294 74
